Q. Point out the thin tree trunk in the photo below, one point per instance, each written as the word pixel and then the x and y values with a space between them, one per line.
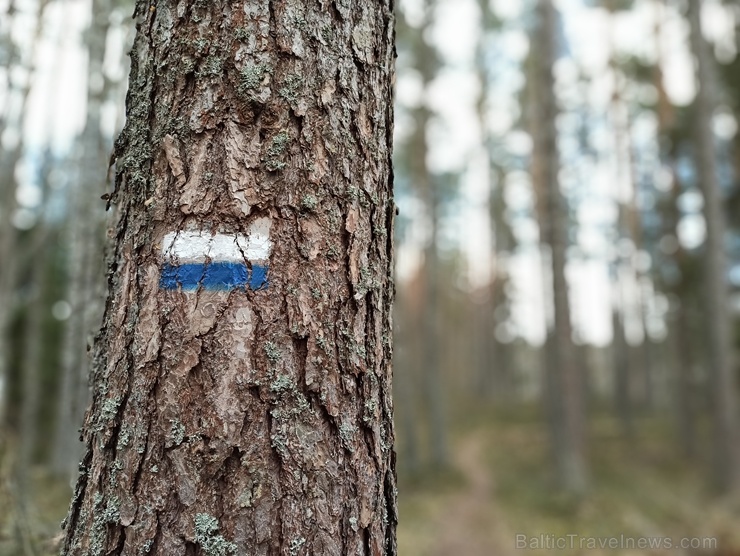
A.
pixel 8 236
pixel 680 331
pixel 563 383
pixel 85 239
pixel 686 384
pixel 620 359
pixel 494 371
pixel 404 388
pixel 726 466
pixel 33 342
pixel 424 181
pixel 630 360
pixel 9 159
pixel 241 381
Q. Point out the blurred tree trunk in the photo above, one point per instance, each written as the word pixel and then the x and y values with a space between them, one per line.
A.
pixel 631 362
pixel 563 384
pixel 680 336
pixel 500 371
pixel 85 235
pixel 494 369
pixel 425 182
pixel 10 121
pixel 620 348
pixel 406 353
pixel 17 100
pixel 404 386
pixel 240 409
pixel 726 466
pixel 620 359
pixel 35 260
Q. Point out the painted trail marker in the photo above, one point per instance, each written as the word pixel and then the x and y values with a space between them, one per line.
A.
pixel 201 260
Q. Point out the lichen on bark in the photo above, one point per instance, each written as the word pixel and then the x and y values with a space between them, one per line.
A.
pixel 249 421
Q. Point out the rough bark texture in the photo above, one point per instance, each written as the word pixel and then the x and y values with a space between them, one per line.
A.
pixel 249 421
pixel 726 471
pixel 563 384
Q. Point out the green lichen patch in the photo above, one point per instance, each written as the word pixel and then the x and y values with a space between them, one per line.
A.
pixel 115 468
pixel 102 516
pixel 282 383
pixel 290 87
pixel 146 548
pixel 309 202
pixel 206 535
pixel 124 437
pixel 322 343
pixel 241 34
pixel 251 77
pixel 272 352
pixel 245 499
pixel 177 432
pixel 273 155
pixel 108 412
pixel 332 252
pixel 295 545
pixel 212 67
pixel 201 45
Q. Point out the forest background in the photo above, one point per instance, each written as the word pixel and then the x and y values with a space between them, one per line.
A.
pixel 567 268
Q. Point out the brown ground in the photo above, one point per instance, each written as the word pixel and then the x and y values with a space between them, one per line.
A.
pixel 464 522
pixel 473 525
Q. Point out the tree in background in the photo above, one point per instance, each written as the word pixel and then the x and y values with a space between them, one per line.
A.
pixel 423 300
pixel 12 119
pixel 723 384
pixel 563 388
pixel 622 268
pixel 495 369
pixel 675 266
pixel 241 382
pixel 428 188
pixel 85 233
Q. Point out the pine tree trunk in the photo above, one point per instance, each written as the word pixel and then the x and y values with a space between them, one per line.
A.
pixel 429 315
pixel 726 468
pixel 681 345
pixel 241 381
pixel 622 375
pixel 563 384
pixel 8 159
pixel 18 91
pixel 404 389
pixel 34 344
pixel 85 261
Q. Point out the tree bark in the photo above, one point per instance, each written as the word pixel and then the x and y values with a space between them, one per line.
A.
pixel 243 405
pixel 726 468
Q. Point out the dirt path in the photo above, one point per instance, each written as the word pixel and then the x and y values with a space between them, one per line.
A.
pixel 472 524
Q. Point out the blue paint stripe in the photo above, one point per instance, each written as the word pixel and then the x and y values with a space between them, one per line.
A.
pixel 213 276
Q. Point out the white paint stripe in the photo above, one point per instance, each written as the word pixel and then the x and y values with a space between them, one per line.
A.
pixel 195 245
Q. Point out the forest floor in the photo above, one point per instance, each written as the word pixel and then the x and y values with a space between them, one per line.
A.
pixel 501 491
pixel 464 522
